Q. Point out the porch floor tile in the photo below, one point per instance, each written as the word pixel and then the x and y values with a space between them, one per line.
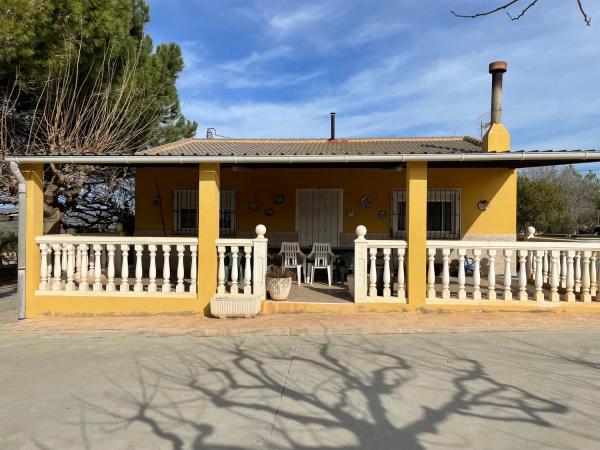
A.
pixel 320 293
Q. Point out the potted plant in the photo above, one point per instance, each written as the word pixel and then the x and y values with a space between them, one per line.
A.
pixel 279 283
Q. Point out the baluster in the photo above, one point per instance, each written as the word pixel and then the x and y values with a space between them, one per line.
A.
pixel 476 274
pixel 110 268
pixel 49 266
pixel 138 286
pixel 462 293
pixel 193 269
pixel 166 283
pixel 593 274
pixel 554 275
pixel 56 282
pixel 221 271
pixel 507 274
pixel 491 274
pixel 530 265
pixel 585 280
pixel 103 258
pixel 97 268
pixel 563 269
pixel 152 268
pixel 445 274
pixel 431 294
pixel 63 261
pixel 124 268
pixel 387 292
pixel 546 266
pixel 539 275
pixel 569 294
pixel 373 273
pixel 83 279
pixel 401 287
pixel 78 263
pixel 523 274
pixel 247 270
pixel 43 267
pixel 70 250
pixel 577 271
pixel 92 269
pixel 180 273
pixel 234 269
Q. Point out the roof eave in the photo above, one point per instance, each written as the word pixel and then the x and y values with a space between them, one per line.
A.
pixel 558 157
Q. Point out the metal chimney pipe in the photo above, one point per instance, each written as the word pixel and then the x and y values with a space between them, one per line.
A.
pixel 332 138
pixel 497 69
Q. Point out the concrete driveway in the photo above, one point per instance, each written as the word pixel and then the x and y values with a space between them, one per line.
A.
pixel 472 390
pixel 8 303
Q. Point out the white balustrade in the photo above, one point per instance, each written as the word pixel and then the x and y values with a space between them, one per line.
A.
pixel 242 265
pixel 69 263
pixel 382 263
pixel 546 271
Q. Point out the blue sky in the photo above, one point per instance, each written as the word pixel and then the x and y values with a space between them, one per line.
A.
pixel 388 68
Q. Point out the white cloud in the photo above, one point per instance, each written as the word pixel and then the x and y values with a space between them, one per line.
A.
pixel 288 22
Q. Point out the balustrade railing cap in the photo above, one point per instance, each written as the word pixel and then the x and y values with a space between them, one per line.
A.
pixel 361 231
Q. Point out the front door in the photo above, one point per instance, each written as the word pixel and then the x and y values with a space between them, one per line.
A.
pixel 318 216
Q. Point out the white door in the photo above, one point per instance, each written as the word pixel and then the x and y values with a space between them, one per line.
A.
pixel 318 216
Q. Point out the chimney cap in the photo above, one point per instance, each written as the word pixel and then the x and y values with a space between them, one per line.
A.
pixel 498 67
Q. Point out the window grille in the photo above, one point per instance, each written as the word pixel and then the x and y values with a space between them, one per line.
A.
pixel 185 212
pixel 443 213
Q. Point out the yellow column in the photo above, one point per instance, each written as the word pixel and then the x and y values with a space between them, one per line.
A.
pixel 416 232
pixel 208 232
pixel 497 139
pixel 34 226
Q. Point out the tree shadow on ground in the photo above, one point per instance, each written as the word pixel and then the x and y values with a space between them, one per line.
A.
pixel 332 393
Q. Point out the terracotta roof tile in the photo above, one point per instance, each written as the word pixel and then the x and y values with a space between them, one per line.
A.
pixel 284 147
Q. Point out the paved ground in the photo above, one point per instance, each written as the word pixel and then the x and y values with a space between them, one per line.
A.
pixel 469 390
pixel 8 303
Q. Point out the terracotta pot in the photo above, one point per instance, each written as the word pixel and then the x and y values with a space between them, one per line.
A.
pixel 279 288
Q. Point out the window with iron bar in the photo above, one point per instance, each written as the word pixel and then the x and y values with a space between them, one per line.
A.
pixel 443 213
pixel 185 211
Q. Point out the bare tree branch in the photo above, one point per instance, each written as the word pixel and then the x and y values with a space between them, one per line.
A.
pixel 587 19
pixel 487 13
pixel 523 12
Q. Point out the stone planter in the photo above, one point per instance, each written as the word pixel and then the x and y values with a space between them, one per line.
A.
pixel 279 288
pixel 236 305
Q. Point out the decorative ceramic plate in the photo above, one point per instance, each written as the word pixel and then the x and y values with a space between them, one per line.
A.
pixel 366 202
pixel 278 199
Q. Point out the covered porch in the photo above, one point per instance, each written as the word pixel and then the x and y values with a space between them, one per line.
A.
pixel 148 274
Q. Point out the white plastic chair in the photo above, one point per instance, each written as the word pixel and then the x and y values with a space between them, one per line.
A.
pixel 293 258
pixel 323 259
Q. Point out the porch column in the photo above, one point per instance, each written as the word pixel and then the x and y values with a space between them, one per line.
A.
pixel 416 231
pixel 34 227
pixel 208 231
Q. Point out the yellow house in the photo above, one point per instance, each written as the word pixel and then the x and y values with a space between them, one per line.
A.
pixel 416 223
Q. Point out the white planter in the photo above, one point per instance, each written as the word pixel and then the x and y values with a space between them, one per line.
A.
pixel 234 305
pixel 279 288
pixel 350 281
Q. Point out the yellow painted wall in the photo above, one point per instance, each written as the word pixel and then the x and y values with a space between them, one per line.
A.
pixel 261 185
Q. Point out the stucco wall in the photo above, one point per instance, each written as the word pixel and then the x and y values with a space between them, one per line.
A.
pixel 498 186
